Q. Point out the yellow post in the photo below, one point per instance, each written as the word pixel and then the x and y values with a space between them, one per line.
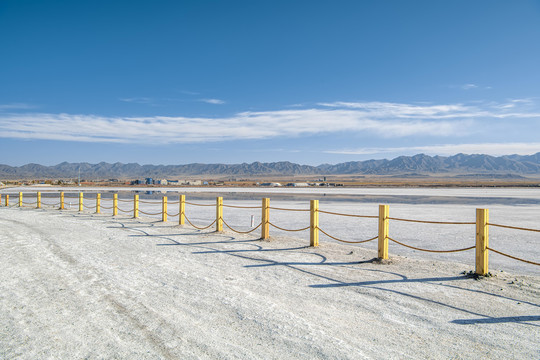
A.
pixel 0 199
pixel 219 214
pixel 7 199
pixel 482 241
pixel 182 215
pixel 314 223
pixel 164 209
pixel 384 213
pixel 62 200
pixel 115 205
pixel 20 199
pixel 136 206
pixel 38 200
pixel 98 203
pixel 265 219
pixel 80 202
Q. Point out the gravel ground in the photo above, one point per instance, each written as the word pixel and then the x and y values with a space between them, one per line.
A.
pixel 77 286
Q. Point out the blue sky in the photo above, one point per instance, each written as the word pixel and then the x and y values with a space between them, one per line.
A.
pixel 175 82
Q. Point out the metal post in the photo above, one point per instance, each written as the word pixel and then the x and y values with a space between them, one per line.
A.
pixel 265 219
pixel 20 199
pixel 62 200
pixel 38 200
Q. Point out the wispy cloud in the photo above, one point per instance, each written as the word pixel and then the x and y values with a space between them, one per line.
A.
pixel 469 86
pixel 213 101
pixel 138 100
pixel 16 106
pixel 376 119
pixel 495 149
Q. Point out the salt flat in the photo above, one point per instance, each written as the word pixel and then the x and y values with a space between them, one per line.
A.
pixel 92 286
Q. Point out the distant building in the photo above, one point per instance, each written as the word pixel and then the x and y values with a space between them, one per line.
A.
pixel 149 181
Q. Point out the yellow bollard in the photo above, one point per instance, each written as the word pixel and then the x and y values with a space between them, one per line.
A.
pixel 0 199
pixel 182 212
pixel 98 203
pixel 265 219
pixel 38 200
pixel 7 199
pixel 115 204
pixel 314 223
pixel 136 206
pixel 219 214
pixel 20 199
pixel 62 200
pixel 384 213
pixel 81 202
pixel 482 241
pixel 164 209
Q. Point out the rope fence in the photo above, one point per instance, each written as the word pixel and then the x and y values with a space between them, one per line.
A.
pixel 197 227
pixel 431 251
pixel 482 223
pixel 347 241
pixel 241 232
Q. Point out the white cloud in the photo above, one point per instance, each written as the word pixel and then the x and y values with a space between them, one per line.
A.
pixel 495 149
pixel 375 119
pixel 213 101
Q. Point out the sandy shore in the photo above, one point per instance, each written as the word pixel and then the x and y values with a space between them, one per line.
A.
pixel 87 286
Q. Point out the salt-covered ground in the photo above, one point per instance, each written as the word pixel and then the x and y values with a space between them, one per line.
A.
pixel 81 285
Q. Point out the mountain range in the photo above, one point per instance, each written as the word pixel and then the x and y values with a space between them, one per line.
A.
pixel 421 164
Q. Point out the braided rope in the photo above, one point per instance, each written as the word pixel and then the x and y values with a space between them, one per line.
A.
pixel 173 215
pixel 241 232
pixel 149 202
pixel 190 203
pixel 197 227
pixel 433 251
pixel 145 213
pixel 105 207
pixel 121 200
pixel 285 209
pixel 89 207
pixel 513 257
pixel 346 241
pixel 125 211
pixel 277 227
pixel 434 222
pixel 351 215
pixel 513 227
pixel 242 207
pixel 29 203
